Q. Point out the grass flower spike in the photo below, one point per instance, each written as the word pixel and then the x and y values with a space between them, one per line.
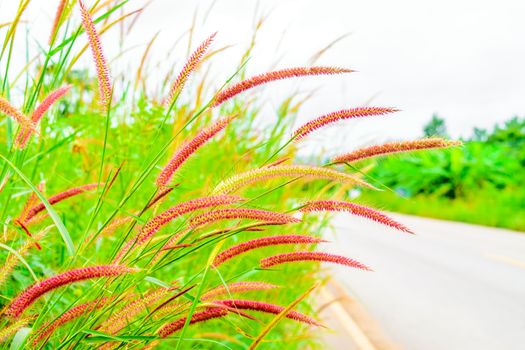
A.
pixel 200 316
pixel 104 79
pixel 24 135
pixel 125 315
pixel 237 287
pixel 12 260
pixel 183 153
pixel 56 22
pixel 14 327
pixel 268 308
pixel 260 243
pixel 240 180
pixel 191 65
pixel 340 115
pixel 32 212
pixel 162 219
pixel 241 213
pixel 257 80
pixel 356 209
pixel 7 108
pixel 31 294
pixel 75 312
pixel 395 147
pixel 311 256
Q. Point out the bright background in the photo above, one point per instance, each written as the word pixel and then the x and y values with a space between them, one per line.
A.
pixel 460 59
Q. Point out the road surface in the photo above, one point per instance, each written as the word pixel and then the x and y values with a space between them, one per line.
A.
pixel 450 286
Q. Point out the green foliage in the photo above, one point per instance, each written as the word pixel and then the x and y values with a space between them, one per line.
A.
pixel 480 182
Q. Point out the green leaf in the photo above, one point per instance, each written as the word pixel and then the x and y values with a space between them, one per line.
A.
pixel 52 213
pixel 103 337
pixel 20 338
pixel 157 282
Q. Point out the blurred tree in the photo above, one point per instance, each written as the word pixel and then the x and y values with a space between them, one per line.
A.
pixel 480 134
pixel 435 127
pixel 511 133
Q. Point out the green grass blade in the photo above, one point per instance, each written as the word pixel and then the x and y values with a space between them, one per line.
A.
pixel 21 258
pixel 51 211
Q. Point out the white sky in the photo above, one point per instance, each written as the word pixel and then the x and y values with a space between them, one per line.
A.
pixel 463 59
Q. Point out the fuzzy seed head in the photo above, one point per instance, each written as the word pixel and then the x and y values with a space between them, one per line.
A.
pixel 257 80
pixel 240 180
pixel 344 114
pixel 75 312
pixel 8 109
pixel 311 256
pixel 355 209
pixel 10 330
pixel 197 317
pixel 190 147
pixel 260 243
pixel 125 315
pixel 56 22
pixel 31 294
pixel 114 225
pixel 12 260
pixel 165 217
pixel 24 135
pixel 103 76
pixel 31 213
pixel 237 287
pixel 267 308
pixel 395 147
pixel 191 65
pixel 241 213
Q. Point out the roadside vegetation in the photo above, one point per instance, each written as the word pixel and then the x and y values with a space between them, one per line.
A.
pixel 482 182
pixel 173 220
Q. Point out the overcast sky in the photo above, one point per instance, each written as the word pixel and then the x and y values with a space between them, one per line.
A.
pixel 462 59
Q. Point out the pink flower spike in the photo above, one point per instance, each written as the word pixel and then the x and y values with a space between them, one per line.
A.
pixel 268 308
pixel 237 287
pixel 257 80
pixel 56 22
pixel 47 329
pixel 189 148
pixel 356 209
pixel 260 243
pixel 31 294
pixel 24 135
pixel 340 115
pixel 311 256
pixel 104 79
pixel 7 108
pixel 200 316
pixel 191 65
pixel 395 147
pixel 31 213
pixel 241 213
pixel 165 217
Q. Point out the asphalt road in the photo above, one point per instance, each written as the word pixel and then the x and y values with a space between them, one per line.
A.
pixel 450 286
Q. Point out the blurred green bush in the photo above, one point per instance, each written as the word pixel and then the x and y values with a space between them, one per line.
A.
pixel 480 182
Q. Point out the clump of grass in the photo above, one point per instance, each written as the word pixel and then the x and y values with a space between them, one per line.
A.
pixel 140 264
